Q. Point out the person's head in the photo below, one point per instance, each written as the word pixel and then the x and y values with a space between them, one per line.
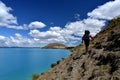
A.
pixel 87 32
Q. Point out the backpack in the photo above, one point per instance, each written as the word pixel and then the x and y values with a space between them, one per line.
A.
pixel 86 37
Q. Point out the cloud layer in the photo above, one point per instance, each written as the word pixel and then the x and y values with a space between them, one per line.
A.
pixel 5 17
pixel 70 34
pixel 16 41
pixel 108 11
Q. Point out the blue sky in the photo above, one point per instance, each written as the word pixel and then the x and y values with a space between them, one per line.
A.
pixel 39 22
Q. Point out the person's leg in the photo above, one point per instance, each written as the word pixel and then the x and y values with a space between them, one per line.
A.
pixel 86 46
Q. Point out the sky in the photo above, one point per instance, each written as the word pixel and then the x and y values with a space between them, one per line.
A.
pixel 36 23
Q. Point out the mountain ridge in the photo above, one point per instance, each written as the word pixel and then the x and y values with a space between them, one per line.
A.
pixel 102 62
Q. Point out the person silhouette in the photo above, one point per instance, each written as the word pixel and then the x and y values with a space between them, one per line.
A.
pixel 86 38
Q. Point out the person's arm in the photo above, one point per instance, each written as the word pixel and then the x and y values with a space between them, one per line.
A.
pixel 91 37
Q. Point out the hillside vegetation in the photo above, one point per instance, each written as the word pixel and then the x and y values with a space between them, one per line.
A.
pixel 102 62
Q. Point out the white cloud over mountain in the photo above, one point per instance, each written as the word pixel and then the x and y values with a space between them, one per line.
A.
pixel 70 34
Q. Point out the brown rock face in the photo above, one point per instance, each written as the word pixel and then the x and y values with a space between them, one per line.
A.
pixel 102 62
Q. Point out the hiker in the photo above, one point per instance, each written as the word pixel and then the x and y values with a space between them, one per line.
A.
pixel 86 38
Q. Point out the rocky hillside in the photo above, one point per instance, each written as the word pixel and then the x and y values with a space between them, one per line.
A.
pixel 55 46
pixel 102 62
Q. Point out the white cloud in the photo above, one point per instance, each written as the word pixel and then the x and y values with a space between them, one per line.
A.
pixel 54 34
pixel 17 27
pixel 55 28
pixel 32 25
pixel 94 25
pixel 44 35
pixel 8 20
pixel 2 39
pixel 36 24
pixel 16 41
pixel 77 28
pixel 74 27
pixel 5 16
pixel 77 16
pixel 108 11
pixel 19 40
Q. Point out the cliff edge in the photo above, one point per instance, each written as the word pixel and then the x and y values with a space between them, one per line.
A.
pixel 102 62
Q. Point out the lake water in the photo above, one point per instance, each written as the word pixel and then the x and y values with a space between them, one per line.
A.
pixel 21 63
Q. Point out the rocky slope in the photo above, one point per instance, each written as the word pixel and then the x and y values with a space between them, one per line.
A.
pixel 102 62
pixel 55 46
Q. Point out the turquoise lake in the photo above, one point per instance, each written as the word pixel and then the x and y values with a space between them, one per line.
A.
pixel 22 63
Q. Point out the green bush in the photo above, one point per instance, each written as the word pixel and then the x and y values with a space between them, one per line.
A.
pixel 58 61
pixel 42 73
pixel 35 76
pixel 115 21
pixel 53 65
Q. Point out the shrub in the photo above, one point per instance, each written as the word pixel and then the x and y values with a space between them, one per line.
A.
pixel 35 76
pixel 53 65
pixel 58 61
pixel 42 73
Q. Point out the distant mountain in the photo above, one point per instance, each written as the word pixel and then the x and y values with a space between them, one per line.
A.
pixel 55 46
